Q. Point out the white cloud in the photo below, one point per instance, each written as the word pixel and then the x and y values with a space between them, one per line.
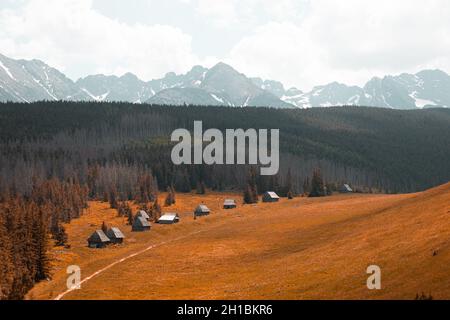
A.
pixel 70 35
pixel 238 14
pixel 277 51
pixel 299 42
pixel 349 41
pixel 222 13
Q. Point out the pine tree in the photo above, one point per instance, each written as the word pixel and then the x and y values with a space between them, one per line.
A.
pixel 201 187
pixel 130 218
pixel 317 186
pixel 105 197
pixel 6 265
pixel 156 210
pixel 113 198
pixel 172 189
pixel 61 237
pixel 127 209
pixel 104 227
pixel 121 209
pixel 40 237
pixel 252 184
pixel 92 177
pixel 306 186
pixel 170 198
pixel 145 207
pixel 248 195
pixel 289 187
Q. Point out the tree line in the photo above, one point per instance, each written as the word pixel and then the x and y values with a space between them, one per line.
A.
pixel 29 225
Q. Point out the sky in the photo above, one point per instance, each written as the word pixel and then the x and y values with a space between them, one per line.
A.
pixel 302 43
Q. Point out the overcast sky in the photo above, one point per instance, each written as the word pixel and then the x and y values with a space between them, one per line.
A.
pixel 299 42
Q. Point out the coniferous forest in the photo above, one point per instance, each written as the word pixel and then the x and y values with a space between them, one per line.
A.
pixel 55 156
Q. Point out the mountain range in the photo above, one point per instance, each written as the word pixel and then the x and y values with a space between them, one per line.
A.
pixel 33 80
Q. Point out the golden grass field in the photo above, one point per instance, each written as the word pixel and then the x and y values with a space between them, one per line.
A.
pixel 295 249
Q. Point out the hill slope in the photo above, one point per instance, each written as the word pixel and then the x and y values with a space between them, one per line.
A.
pixel 299 249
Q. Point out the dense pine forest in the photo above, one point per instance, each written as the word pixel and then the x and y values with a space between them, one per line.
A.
pixel 112 144
pixel 55 156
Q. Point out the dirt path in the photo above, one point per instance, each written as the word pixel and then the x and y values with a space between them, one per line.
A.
pixel 61 295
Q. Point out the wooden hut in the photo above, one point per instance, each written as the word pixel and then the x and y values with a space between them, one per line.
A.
pixel 115 235
pixel 270 196
pixel 140 224
pixel 202 210
pixel 98 240
pixel 229 204
pixel 345 188
pixel 143 214
pixel 169 218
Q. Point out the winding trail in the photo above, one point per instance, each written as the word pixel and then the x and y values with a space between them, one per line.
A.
pixel 61 295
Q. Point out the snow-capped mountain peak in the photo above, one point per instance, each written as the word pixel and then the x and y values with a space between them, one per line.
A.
pixel 27 81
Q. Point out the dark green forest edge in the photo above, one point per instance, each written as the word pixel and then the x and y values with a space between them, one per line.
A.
pixel 55 156
pixel 387 150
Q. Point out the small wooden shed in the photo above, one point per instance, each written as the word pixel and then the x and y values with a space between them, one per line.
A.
pixel 169 218
pixel 98 240
pixel 270 196
pixel 202 210
pixel 115 235
pixel 345 188
pixel 143 214
pixel 140 224
pixel 229 204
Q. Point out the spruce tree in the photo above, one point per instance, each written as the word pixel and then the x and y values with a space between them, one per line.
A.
pixel 170 198
pixel 113 198
pixel 42 270
pixel 104 227
pixel 6 265
pixel 130 218
pixel 248 195
pixel 317 185
pixel 156 210
pixel 61 237
pixel 201 189
pixel 289 187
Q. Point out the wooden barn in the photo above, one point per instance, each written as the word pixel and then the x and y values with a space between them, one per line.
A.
pixel 98 240
pixel 115 235
pixel 229 204
pixel 143 214
pixel 270 196
pixel 169 218
pixel 345 188
pixel 140 224
pixel 202 210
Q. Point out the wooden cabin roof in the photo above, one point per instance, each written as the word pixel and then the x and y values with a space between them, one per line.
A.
pixel 99 236
pixel 115 233
pixel 141 222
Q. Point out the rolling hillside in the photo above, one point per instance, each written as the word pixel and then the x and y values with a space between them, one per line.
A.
pixel 298 249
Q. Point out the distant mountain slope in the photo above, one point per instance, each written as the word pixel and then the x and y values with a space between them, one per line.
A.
pixel 112 88
pixel 428 88
pixel 181 96
pixel 28 81
pixel 220 85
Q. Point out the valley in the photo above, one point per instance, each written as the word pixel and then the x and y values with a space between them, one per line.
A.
pixel 295 249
